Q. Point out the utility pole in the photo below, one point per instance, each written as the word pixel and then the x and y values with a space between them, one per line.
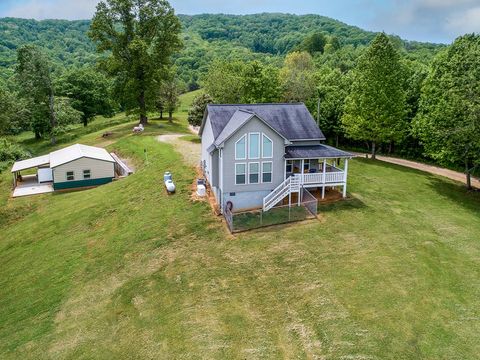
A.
pixel 318 112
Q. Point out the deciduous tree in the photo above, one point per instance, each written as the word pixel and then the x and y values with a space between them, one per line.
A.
pixel 197 110
pixel 297 77
pixel 34 78
pixel 89 90
pixel 140 36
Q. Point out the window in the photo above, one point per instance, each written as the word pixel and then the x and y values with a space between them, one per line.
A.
pixel 86 174
pixel 254 173
pixel 267 172
pixel 267 149
pixel 241 148
pixel 240 174
pixel 253 145
pixel 70 176
pixel 306 165
pixel 289 167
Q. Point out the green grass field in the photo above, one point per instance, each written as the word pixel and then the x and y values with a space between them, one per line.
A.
pixel 125 271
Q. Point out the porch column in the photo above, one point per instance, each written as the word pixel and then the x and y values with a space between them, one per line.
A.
pixel 345 179
pixel 301 169
pixel 324 175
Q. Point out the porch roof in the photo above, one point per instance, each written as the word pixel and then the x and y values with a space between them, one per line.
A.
pixel 31 163
pixel 315 152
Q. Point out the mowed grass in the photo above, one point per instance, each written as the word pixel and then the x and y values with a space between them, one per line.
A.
pixel 125 271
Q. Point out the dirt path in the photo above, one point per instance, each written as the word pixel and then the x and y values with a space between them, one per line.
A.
pixel 454 175
pixel 189 150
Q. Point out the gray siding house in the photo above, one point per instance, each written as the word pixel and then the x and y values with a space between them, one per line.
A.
pixel 253 156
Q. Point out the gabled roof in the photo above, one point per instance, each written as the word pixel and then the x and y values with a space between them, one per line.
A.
pixel 78 151
pixel 31 163
pixel 239 118
pixel 293 121
pixel 315 152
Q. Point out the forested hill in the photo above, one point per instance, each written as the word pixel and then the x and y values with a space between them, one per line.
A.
pixel 262 36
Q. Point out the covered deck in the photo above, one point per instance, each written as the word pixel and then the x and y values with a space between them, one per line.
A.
pixel 318 166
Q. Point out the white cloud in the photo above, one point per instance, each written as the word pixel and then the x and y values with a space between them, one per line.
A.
pixel 430 20
pixel 58 9
pixel 465 21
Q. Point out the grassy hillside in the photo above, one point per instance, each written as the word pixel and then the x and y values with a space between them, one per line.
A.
pixel 125 271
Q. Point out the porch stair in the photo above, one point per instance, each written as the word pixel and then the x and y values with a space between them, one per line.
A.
pixel 288 186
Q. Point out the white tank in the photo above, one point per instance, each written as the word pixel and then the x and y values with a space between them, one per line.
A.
pixel 201 190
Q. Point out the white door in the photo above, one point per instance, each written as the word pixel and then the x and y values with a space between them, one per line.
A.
pixel 45 175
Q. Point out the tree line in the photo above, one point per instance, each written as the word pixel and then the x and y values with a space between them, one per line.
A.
pixel 374 96
pixel 133 73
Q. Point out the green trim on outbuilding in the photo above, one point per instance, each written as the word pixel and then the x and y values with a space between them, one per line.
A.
pixel 81 183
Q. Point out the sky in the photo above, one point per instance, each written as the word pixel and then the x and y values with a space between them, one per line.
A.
pixel 421 20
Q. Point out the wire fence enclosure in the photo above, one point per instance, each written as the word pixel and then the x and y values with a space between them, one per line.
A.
pixel 307 208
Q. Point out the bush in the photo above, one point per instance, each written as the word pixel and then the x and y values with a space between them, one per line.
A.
pixel 10 151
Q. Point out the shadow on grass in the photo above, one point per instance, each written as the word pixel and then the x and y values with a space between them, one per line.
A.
pixel 342 205
pixel 469 199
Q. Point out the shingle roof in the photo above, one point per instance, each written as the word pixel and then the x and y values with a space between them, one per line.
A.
pixel 292 121
pixel 315 152
pixel 239 118
pixel 78 151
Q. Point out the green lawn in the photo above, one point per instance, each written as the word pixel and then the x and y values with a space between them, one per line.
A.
pixel 125 271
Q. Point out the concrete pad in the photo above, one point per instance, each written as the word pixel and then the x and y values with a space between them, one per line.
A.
pixel 32 188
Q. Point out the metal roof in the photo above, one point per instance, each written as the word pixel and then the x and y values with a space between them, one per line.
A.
pixel 315 152
pixel 293 121
pixel 78 151
pixel 31 163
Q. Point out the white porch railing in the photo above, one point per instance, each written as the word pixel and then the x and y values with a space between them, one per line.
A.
pixel 337 176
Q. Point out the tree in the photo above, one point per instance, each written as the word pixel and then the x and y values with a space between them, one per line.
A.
pixel 13 113
pixel 89 90
pixel 333 88
pixel 260 83
pixel 197 110
pixel 140 37
pixel 169 96
pixel 297 77
pixel 33 75
pixel 375 108
pixel 66 114
pixel 224 81
pixel 448 120
pixel 314 43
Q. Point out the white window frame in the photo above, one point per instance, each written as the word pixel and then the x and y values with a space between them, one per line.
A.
pixel 287 165
pixel 258 173
pixel 271 141
pixel 246 173
pixel 306 162
pixel 73 175
pixel 271 172
pixel 245 147
pixel 89 174
pixel 259 145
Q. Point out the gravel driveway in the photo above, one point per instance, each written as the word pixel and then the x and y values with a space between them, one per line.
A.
pixel 190 151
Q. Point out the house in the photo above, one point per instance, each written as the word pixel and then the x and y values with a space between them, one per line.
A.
pixel 254 156
pixel 73 167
